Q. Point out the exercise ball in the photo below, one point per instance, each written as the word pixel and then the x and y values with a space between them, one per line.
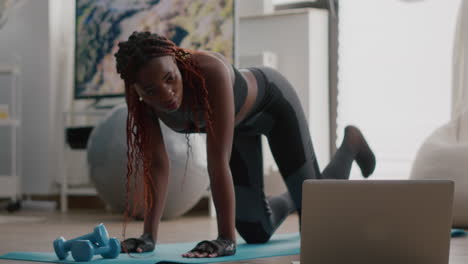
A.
pixel 444 155
pixel 107 164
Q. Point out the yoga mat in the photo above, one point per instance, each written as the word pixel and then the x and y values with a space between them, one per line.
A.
pixel 279 245
pixel 459 233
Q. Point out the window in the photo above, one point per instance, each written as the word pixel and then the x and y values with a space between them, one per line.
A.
pixel 395 61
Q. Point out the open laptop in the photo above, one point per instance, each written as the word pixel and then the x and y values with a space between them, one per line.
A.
pixel 378 221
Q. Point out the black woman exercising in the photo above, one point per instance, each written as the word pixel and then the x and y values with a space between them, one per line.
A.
pixel 201 92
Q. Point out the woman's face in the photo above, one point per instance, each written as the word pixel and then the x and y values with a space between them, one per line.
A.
pixel 159 84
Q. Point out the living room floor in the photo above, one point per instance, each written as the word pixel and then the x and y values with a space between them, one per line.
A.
pixel 35 231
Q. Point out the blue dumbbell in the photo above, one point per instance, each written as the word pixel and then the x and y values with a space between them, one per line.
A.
pixel 84 250
pixel 99 236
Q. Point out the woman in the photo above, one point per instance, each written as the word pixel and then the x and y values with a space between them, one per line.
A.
pixel 199 91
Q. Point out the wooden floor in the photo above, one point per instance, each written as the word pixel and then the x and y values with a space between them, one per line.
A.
pixel 39 234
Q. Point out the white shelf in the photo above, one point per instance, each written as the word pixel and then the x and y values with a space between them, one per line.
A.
pixel 10 185
pixel 9 122
pixel 66 189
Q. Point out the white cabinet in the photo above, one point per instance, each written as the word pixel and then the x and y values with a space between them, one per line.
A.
pixel 298 39
pixel 73 161
pixel 10 141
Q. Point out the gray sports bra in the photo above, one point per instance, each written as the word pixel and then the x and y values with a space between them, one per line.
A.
pixel 188 118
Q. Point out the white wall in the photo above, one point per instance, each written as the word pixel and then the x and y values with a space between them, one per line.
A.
pixel 395 75
pixel 27 35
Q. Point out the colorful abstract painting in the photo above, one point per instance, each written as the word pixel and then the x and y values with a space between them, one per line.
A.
pixel 101 24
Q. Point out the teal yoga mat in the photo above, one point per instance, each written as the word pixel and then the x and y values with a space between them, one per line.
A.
pixel 279 245
pixel 459 233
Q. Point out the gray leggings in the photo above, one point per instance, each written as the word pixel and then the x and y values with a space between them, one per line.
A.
pixel 278 115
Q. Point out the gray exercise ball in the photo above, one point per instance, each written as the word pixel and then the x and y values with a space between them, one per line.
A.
pixel 107 164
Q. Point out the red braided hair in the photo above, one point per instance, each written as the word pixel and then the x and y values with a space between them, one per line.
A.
pixel 140 48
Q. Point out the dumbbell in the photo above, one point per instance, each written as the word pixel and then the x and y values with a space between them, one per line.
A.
pixel 99 236
pixel 84 250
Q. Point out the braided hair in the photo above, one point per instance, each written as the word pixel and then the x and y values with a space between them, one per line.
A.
pixel 133 54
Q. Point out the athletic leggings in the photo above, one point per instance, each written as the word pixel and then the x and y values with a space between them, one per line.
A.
pixel 278 115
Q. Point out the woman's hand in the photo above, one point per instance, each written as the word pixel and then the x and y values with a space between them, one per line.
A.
pixel 138 245
pixel 212 248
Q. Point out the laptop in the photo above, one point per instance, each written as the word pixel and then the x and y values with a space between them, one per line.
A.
pixel 376 221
